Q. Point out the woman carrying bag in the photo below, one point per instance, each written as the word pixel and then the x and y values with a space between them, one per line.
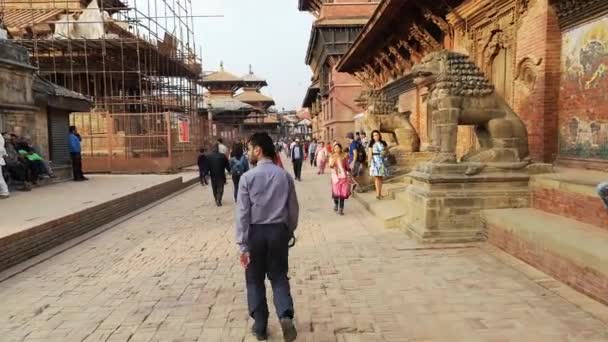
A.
pixel 340 178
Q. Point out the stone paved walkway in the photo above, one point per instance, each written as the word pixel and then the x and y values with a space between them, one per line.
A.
pixel 171 274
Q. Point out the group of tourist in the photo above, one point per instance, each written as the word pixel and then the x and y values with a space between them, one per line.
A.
pixel 213 166
pixel 347 164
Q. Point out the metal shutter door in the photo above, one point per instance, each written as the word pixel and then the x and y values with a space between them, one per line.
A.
pixel 59 124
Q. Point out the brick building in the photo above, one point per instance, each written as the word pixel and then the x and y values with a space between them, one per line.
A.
pixel 331 97
pixel 548 60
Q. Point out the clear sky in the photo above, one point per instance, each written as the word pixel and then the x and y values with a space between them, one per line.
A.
pixel 272 35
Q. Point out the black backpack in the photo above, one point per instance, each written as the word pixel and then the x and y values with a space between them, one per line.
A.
pixel 361 153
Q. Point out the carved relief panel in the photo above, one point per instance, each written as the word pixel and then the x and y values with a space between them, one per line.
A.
pixel 488 35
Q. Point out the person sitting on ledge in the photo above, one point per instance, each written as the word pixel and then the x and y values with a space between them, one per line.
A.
pixel 16 164
pixel 602 190
pixel 36 149
pixel 32 159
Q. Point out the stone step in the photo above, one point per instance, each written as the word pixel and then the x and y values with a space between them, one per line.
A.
pixel 391 190
pixel 572 194
pixel 449 236
pixel 388 211
pixel 574 252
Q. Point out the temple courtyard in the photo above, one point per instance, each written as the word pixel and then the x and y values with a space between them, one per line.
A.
pixel 170 273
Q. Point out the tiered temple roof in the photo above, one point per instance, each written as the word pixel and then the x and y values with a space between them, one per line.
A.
pixel 222 99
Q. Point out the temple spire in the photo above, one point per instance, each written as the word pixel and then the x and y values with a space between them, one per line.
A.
pixel 221 65
pixel 250 70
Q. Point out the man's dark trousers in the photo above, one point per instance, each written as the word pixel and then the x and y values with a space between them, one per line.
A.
pixel 217 185
pixel 77 165
pixel 269 255
pixel 297 168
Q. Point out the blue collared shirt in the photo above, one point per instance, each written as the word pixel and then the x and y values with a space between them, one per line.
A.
pixel 267 195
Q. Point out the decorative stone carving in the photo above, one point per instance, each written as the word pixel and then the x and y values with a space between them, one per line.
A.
pixel 382 115
pixel 527 71
pixel 460 94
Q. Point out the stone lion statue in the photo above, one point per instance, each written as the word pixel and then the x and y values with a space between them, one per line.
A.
pixel 460 94
pixel 383 115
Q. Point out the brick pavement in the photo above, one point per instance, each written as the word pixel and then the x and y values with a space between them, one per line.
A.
pixel 171 274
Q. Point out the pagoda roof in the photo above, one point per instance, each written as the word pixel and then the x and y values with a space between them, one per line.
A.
pixel 252 96
pixel 252 79
pixel 256 119
pixel 221 76
pixel 221 104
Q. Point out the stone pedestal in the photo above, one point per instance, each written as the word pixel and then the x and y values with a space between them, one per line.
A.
pixel 443 204
pixel 405 162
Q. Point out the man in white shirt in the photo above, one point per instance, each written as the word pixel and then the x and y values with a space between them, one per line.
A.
pixel 222 147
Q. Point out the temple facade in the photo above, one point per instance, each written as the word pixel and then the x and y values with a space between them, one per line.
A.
pixel 539 55
pixel 332 95
pixel 542 61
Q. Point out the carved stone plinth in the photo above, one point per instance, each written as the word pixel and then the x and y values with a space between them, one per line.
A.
pixel 443 204
pixel 405 162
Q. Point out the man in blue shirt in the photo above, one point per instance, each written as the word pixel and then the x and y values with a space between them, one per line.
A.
pixel 75 152
pixel 353 154
pixel 267 214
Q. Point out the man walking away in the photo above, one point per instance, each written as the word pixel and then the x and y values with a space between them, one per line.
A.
pixel 266 217
pixel 203 166
pixel 218 165
pixel 312 152
pixel 4 193
pixel 75 152
pixel 238 166
pixel 297 158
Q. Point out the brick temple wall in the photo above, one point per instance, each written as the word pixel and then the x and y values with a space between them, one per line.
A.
pixel 539 38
